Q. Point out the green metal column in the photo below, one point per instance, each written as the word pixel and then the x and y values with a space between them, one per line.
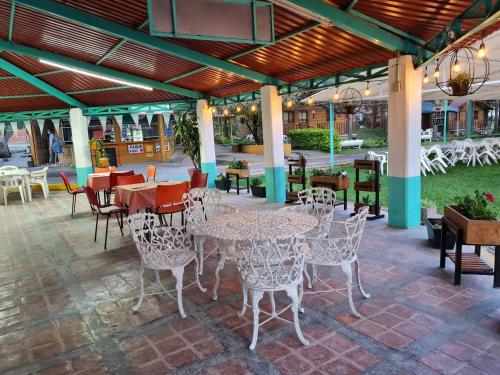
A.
pixel 470 117
pixel 332 129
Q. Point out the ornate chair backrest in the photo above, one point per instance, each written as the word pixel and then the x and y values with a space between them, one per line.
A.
pixel 201 205
pixel 318 201
pixel 271 264
pixel 158 246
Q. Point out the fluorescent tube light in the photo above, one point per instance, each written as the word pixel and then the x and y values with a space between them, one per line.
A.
pixel 84 72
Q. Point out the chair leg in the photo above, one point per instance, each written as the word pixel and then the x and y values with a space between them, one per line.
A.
pixel 171 219
pixel 96 222
pixel 21 192
pixel 348 271
pixel 309 283
pixel 273 304
pixel 245 302
pixel 198 242
pixel 106 235
pixel 178 274
pixel 366 295
pixel 256 297
pixel 219 267
pixel 315 273
pixel 292 293
pixel 197 276
pixel 119 223
pixel 141 289
pixel 73 201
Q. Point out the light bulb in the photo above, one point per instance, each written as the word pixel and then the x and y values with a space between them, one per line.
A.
pixel 214 109
pixel 253 108
pixel 336 96
pixel 456 67
pixel 367 90
pixel 482 51
pixel 226 112
pixel 238 109
pixel 436 73
pixel 426 78
pixel 310 101
pixel 289 104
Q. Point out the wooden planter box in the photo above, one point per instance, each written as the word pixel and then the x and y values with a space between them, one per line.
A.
pixel 365 164
pixel 371 209
pixel 364 186
pixel 242 173
pixel 259 149
pixel 336 183
pixel 296 179
pixel 480 232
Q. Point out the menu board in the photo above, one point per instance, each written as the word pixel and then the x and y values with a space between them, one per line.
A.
pixel 135 149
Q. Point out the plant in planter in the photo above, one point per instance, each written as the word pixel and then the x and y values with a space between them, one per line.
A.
pixel 101 156
pixel 428 209
pixel 477 221
pixel 258 187
pixel 328 177
pixel 186 132
pixel 460 84
pixel 366 200
pixel 239 167
pixel 368 184
pixel 221 182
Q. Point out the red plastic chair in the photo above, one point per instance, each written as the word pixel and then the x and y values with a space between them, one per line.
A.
pixel 199 179
pixel 127 180
pixel 106 210
pixel 169 200
pixel 151 173
pixel 113 176
pixel 74 193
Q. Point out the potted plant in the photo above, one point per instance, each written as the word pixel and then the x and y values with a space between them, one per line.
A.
pixel 428 209
pixel 366 200
pixel 221 182
pixel 239 167
pixel 460 84
pixel 434 233
pixel 101 156
pixel 257 184
pixel 296 176
pixel 329 178
pixel 477 221
pixel 186 132
pixel 368 185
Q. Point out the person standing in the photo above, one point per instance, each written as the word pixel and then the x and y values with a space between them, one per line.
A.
pixel 52 154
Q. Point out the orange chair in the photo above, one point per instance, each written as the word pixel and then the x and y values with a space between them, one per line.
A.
pixel 127 180
pixel 169 200
pixel 74 193
pixel 199 179
pixel 101 170
pixel 151 173
pixel 113 176
pixel 112 169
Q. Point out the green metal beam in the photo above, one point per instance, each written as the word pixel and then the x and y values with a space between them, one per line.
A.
pixel 248 51
pixel 351 5
pixel 116 29
pixel 24 96
pixel 11 20
pixel 28 115
pixel 25 76
pixel 119 44
pixel 358 27
pixel 97 69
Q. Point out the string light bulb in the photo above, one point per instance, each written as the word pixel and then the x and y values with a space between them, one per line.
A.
pixel 253 108
pixel 456 66
pixel 426 77
pixel 238 109
pixel 436 71
pixel 367 90
pixel 310 101
pixel 226 112
pixel 336 96
pixel 481 53
pixel 214 109
pixel 289 103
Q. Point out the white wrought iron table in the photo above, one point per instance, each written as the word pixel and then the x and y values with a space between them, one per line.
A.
pixel 253 225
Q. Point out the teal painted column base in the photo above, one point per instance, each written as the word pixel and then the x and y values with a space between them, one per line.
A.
pixel 81 175
pixel 404 201
pixel 275 184
pixel 211 169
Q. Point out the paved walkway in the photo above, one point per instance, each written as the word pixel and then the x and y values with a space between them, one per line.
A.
pixel 65 308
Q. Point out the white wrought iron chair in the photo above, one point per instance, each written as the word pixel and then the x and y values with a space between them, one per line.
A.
pixel 162 248
pixel 271 266
pixel 11 183
pixel 341 249
pixel 40 178
pixel 202 205
pixel 380 157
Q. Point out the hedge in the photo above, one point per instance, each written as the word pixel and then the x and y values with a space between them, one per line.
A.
pixel 313 139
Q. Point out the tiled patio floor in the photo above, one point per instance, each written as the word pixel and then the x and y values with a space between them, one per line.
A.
pixel 65 307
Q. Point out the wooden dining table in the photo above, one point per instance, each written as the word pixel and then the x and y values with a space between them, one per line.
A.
pixel 139 196
pixel 100 181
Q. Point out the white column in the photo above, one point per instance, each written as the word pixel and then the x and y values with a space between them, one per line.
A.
pixel 272 130
pixel 404 125
pixel 207 143
pixel 80 135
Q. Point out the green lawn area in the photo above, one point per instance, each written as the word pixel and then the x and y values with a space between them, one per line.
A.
pixel 442 188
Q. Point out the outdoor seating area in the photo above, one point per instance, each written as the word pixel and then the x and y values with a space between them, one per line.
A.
pixel 247 187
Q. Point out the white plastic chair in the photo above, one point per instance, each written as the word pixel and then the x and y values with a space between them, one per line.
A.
pixel 485 152
pixel 380 157
pixel 202 205
pixel 271 266
pixel 162 248
pixel 11 183
pixel 9 168
pixel 40 178
pixel 340 249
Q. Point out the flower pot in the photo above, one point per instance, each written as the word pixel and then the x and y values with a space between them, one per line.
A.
pixel 475 232
pixel 426 212
pixel 334 183
pixel 221 185
pixel 434 234
pixel 191 171
pixel 103 162
pixel 242 173
pixel 258 191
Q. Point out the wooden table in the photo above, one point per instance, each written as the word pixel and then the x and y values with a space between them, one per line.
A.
pixel 98 181
pixel 467 263
pixel 139 196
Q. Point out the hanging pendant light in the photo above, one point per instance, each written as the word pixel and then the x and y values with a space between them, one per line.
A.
pixel 289 103
pixel 336 96
pixel 310 101
pixel 253 108
pixel 481 53
pixel 238 109
pixel 226 112
pixel 367 90
pixel 426 77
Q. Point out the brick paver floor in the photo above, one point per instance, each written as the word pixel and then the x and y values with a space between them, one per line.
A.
pixel 66 308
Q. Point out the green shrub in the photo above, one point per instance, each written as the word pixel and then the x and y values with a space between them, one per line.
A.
pixel 257 181
pixel 313 139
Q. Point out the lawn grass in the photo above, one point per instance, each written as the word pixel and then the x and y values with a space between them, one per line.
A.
pixel 442 188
